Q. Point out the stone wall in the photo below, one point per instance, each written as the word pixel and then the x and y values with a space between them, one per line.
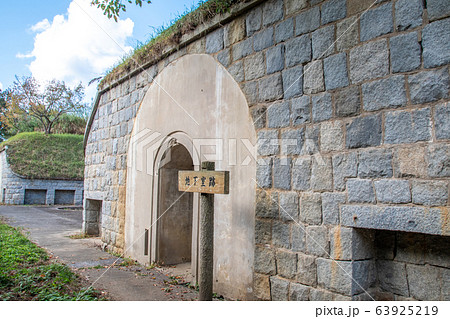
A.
pixel 352 115
pixel 13 186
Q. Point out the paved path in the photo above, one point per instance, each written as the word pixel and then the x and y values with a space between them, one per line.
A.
pixel 51 227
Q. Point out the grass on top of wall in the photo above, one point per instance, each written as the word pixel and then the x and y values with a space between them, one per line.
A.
pixel 39 156
pixel 171 35
pixel 27 273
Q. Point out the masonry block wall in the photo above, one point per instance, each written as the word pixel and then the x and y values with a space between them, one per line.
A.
pixel 13 186
pixel 351 108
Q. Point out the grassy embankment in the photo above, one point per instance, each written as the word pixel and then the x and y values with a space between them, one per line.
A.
pixel 39 156
pixel 27 273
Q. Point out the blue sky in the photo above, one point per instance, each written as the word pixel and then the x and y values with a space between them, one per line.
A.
pixel 71 41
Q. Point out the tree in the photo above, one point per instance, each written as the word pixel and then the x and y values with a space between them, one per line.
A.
pixel 26 99
pixel 112 8
pixel 3 108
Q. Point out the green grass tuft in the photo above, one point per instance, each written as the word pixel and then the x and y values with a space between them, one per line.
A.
pixel 171 35
pixel 27 274
pixel 39 156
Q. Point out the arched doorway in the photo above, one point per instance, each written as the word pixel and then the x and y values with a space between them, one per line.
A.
pixel 175 209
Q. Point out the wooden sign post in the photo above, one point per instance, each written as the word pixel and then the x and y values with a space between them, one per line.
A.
pixel 207 182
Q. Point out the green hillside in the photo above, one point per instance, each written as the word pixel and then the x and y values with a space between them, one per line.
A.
pixel 39 156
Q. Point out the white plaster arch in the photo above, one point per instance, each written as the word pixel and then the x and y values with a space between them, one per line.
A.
pixel 195 99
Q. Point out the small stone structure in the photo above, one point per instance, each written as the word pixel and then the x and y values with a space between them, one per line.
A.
pixel 19 190
pixel 350 108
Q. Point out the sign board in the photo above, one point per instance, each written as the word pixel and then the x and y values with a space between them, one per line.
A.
pixel 209 182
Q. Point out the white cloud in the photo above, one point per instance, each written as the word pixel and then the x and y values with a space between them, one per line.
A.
pixel 79 46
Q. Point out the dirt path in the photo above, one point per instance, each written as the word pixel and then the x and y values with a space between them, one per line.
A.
pixel 51 227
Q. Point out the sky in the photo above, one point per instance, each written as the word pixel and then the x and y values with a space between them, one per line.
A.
pixel 72 41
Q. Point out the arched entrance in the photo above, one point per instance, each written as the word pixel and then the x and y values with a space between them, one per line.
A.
pixel 175 209
pixel 196 103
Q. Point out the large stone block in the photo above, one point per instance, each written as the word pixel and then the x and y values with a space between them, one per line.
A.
pixel 430 193
pixel 284 30
pixel 264 261
pixel 306 270
pixel 408 14
pixel 400 218
pixel 250 90
pixel 364 132
pixel 293 6
pixel 241 49
pixel 335 70
pixel 347 34
pixel 405 52
pixel 263 39
pixel 369 61
pixel 293 82
pixel 298 237
pixel 289 206
pixel 320 295
pixel 272 88
pixel 344 166
pixel 393 191
pixel 436 43
pixel 301 174
pixel 298 292
pixel 439 160
pixel 273 11
pixel 263 231
pixel 333 10
pixel 282 173
pixel 286 264
pixel 237 71
pixel 410 162
pixel 214 41
pixel 298 50
pixel 261 286
pixel 360 191
pixel 254 67
pixel 266 204
pixel 311 145
pixel 321 174
pixel 301 110
pixel 264 174
pixel 375 163
pixel 331 136
pixel 347 101
pixel 292 141
pixel 253 20
pixel 268 143
pixel 392 277
pixel 311 208
pixel 258 113
pixel 307 21
pixel 442 121
pixel 323 42
pixel 278 115
pixel 385 93
pixel 410 248
pixel 279 289
pixel 376 22
pixel 335 275
pixel 438 9
pixel 234 31
pixel 281 234
pixel 424 282
pixel 322 109
pixel 317 242
pixel 275 59
pixel 330 207
pixel 429 86
pixel 407 127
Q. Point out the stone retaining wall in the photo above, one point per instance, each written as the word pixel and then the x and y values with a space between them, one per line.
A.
pixel 13 186
pixel 352 113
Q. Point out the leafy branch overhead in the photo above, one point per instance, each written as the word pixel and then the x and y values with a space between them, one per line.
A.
pixel 112 8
